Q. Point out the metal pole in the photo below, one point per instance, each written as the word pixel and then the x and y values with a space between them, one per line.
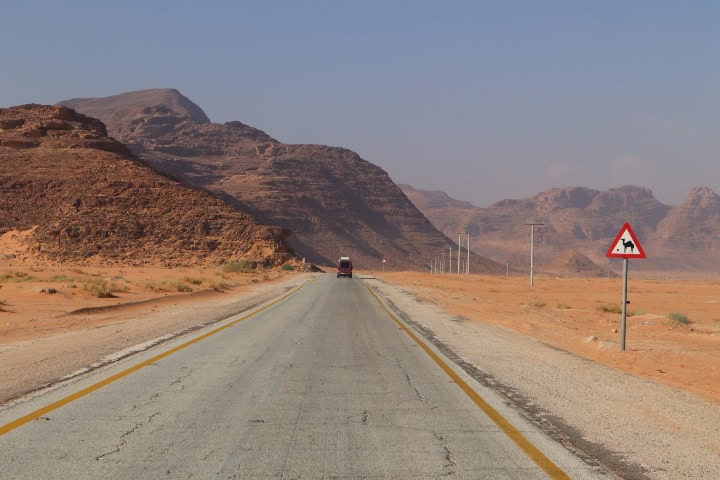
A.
pixel 532 251
pixel 467 267
pixel 442 262
pixel 624 304
pixel 459 252
pixel 450 260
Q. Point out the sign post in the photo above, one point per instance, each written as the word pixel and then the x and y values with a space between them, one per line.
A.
pixel 383 262
pixel 625 246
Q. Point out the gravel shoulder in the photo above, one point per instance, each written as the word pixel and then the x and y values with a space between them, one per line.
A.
pixel 32 364
pixel 632 426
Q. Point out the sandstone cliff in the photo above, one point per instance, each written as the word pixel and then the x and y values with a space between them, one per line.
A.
pixel 683 238
pixel 82 196
pixel 334 202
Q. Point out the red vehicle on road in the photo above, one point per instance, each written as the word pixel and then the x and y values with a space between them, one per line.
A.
pixel 344 267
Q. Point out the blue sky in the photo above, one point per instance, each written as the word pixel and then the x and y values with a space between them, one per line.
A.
pixel 482 99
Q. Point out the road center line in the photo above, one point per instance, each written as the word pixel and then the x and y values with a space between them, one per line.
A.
pixel 547 465
pixel 81 393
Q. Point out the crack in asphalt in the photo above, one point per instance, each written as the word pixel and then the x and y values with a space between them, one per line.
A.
pixel 593 454
pixel 416 389
pixel 124 436
pixel 448 453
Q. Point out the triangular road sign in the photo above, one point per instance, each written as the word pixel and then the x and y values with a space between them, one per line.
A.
pixel 626 245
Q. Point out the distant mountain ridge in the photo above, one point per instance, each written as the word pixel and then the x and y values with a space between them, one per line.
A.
pixel 334 202
pixel 681 238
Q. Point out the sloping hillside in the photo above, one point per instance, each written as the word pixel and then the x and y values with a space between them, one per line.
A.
pixel 81 196
pixel 335 202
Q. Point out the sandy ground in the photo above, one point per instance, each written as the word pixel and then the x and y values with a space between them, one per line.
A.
pixel 581 316
pixel 45 337
pixel 552 352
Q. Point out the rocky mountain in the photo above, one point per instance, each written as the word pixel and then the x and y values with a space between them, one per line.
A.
pixel 334 202
pixel 586 221
pixel 571 263
pixel 79 195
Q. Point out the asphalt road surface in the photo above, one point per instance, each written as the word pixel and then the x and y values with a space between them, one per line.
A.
pixel 322 384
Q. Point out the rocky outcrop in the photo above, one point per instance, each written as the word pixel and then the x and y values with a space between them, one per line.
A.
pixel 335 202
pixel 85 197
pixel 572 263
pixel 693 226
pixel 586 220
pixel 114 111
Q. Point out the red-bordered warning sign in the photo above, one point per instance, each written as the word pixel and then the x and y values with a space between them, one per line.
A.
pixel 626 245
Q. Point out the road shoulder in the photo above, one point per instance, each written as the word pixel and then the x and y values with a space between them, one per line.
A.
pixel 31 365
pixel 632 426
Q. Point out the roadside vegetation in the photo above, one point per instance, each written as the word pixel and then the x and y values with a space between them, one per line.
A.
pixel 241 266
pixel 610 308
pixel 167 286
pixel 538 304
pixel 103 288
pixel 17 277
pixel 679 318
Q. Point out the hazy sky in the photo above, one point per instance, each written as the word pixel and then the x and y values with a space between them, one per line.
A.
pixel 482 99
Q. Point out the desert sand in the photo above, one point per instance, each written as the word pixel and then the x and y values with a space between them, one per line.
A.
pixel 59 322
pixel 581 316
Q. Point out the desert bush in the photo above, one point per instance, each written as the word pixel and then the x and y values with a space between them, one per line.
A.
pixel 102 288
pixel 610 308
pixel 287 266
pixel 563 306
pixel 679 317
pixel 219 286
pixel 193 280
pixel 538 303
pixel 61 278
pixel 179 286
pixel 241 266
pixel 99 288
pixel 16 277
pixel 167 286
pixel 154 286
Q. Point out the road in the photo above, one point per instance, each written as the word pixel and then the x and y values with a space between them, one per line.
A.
pixel 322 384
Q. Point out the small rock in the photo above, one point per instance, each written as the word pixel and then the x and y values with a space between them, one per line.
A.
pixel 591 338
pixel 614 330
pixel 50 291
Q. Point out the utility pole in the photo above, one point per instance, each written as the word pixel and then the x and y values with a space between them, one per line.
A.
pixel 459 234
pixel 532 248
pixel 467 267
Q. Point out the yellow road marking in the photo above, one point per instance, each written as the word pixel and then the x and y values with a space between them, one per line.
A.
pixel 81 393
pixel 523 443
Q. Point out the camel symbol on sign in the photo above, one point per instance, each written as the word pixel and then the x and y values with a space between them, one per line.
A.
pixel 625 245
pixel 628 244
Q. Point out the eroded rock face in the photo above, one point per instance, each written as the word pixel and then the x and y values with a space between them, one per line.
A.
pixel 694 225
pixel 585 220
pixel 334 202
pixel 87 197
